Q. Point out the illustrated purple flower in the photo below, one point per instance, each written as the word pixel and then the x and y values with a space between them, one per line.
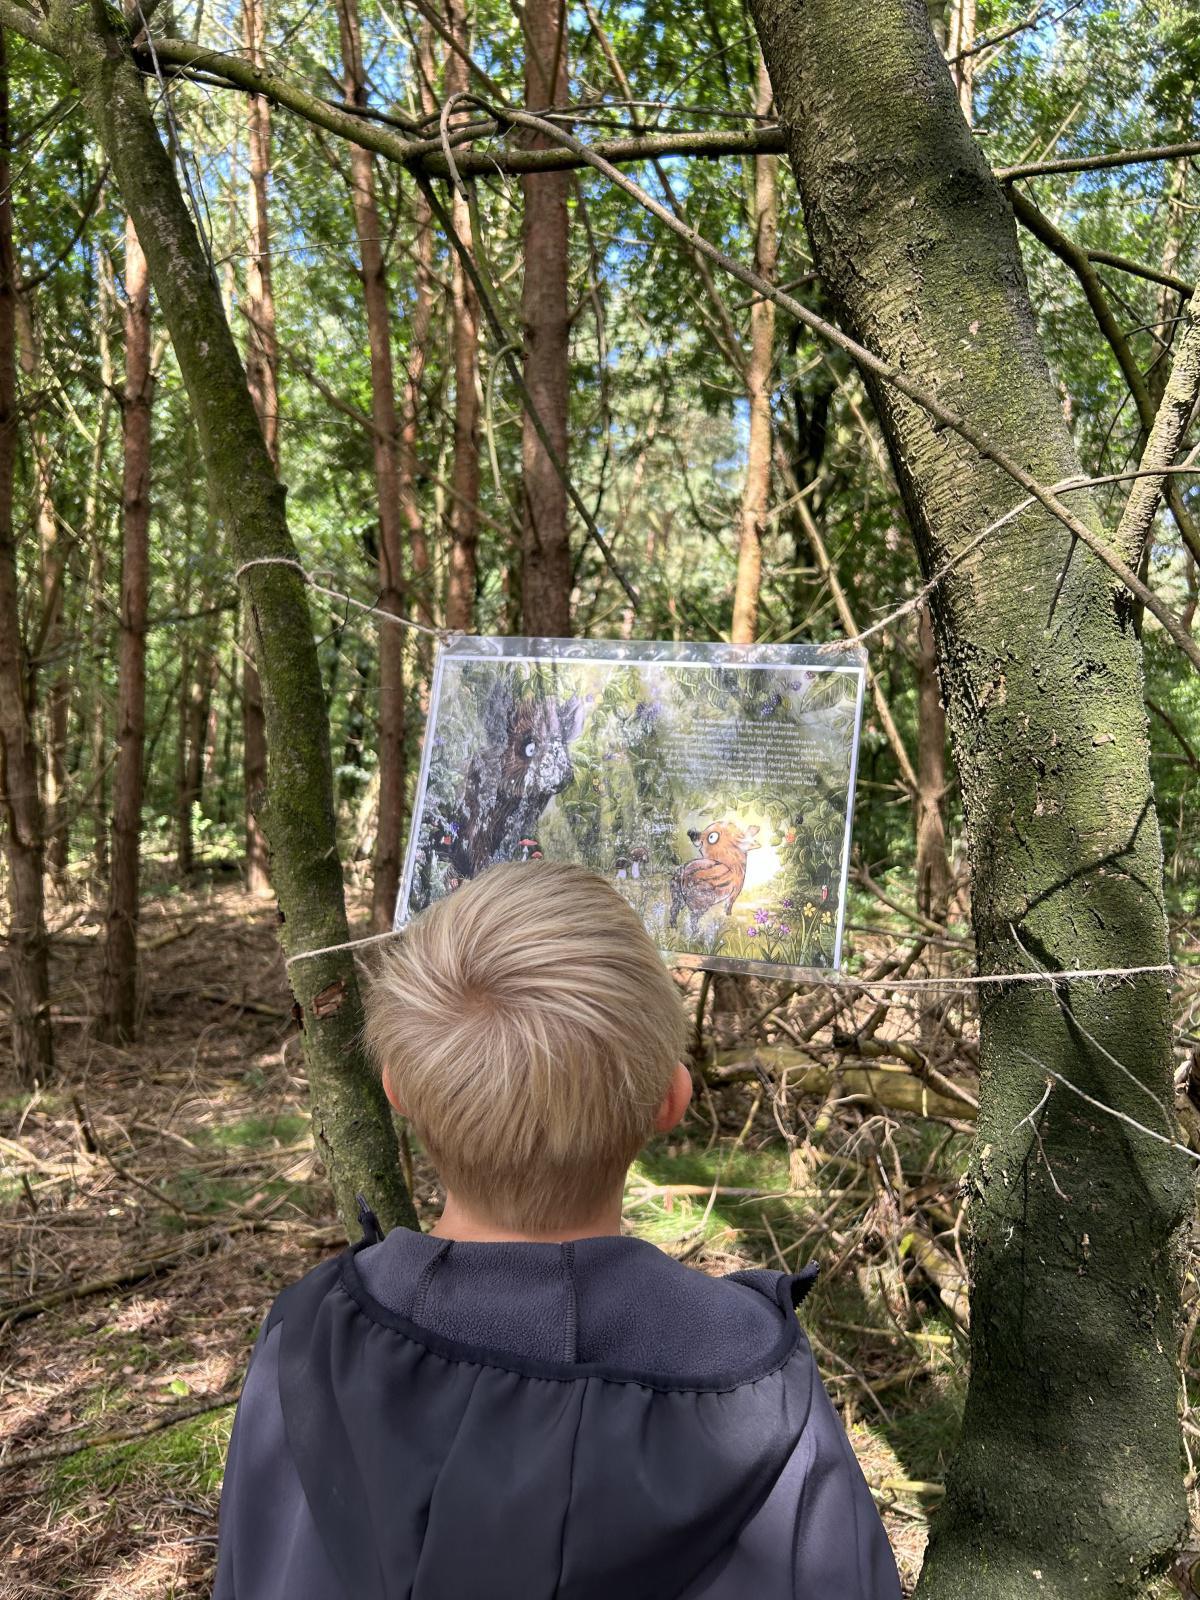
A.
pixel 788 903
pixel 784 930
pixel 762 917
pixel 753 932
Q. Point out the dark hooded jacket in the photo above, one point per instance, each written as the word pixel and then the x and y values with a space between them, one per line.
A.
pixel 427 1420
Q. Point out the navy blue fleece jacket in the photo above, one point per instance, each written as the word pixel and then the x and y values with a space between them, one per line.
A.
pixel 426 1420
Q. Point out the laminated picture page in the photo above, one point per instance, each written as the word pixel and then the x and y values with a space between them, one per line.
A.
pixel 711 784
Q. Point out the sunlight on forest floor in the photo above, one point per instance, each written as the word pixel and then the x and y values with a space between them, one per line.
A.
pixel 157 1198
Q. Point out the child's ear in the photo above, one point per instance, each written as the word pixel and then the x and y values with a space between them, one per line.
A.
pixel 391 1093
pixel 676 1100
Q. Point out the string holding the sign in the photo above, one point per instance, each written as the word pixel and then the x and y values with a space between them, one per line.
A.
pixel 843 980
pixel 896 615
pixel 833 646
pixel 375 610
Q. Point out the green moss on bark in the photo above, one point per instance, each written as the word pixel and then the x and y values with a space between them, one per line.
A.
pixel 1067 1481
pixel 350 1114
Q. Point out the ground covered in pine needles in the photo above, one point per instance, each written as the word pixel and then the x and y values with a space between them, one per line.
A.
pixel 154 1199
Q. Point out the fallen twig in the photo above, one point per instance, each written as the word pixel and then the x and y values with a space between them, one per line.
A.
pixel 95 1441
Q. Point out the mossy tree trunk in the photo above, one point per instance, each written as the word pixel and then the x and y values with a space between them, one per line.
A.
pixel 350 1114
pixel 1067 1480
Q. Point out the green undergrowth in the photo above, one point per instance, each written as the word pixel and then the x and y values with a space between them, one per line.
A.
pixel 903 1435
pixel 184 1461
pixel 915 1368
pixel 254 1132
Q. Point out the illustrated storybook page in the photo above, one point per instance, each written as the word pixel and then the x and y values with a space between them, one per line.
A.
pixel 711 784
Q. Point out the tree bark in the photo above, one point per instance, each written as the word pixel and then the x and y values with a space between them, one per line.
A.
pixel 962 65
pixel 262 375
pixel 20 797
pixel 929 823
pixel 352 1122
pixel 545 239
pixel 1067 1479
pixel 195 699
pixel 392 500
pixel 50 628
pixel 464 311
pixel 756 491
pixel 117 1020
pixel 414 372
pixel 96 519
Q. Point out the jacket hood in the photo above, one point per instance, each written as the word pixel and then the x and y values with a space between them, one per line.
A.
pixel 442 1470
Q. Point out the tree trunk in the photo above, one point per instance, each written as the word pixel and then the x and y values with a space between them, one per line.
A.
pixel 392 501
pixel 929 823
pixel 195 698
pixel 756 491
pixel 351 1118
pixel 1067 1479
pixel 20 797
pixel 117 1020
pixel 962 65
pixel 50 628
pixel 262 375
pixel 464 312
pixel 96 526
pixel 414 372
pixel 546 551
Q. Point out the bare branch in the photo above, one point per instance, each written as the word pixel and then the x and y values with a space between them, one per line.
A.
pixel 1077 259
pixel 1138 269
pixel 16 17
pixel 887 373
pixel 1170 425
pixel 1111 158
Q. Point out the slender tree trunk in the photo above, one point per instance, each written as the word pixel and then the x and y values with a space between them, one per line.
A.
pixel 391 499
pixel 96 527
pixel 20 797
pixel 1067 1479
pixel 117 1020
pixel 98 638
pixel 352 1122
pixel 350 786
pixel 50 630
pixel 464 312
pixel 756 491
pixel 262 374
pixel 962 66
pixel 195 698
pixel 419 325
pixel 933 867
pixel 546 553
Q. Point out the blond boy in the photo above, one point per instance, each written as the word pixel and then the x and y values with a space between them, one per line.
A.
pixel 525 1403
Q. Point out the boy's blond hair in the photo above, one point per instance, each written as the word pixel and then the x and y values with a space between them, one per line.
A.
pixel 529 1028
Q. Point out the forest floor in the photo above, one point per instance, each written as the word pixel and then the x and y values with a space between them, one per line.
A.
pixel 155 1199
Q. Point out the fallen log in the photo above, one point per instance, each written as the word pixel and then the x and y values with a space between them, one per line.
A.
pixel 890 1088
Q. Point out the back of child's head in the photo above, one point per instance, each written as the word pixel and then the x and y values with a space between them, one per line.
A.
pixel 529 1029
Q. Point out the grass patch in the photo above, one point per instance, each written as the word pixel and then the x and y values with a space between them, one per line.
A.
pixel 656 1211
pixel 184 1462
pixel 255 1132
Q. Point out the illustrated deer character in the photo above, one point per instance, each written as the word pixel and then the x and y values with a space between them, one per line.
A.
pixel 510 782
pixel 718 874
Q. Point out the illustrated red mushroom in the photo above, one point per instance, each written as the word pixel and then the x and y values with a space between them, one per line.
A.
pixel 638 858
